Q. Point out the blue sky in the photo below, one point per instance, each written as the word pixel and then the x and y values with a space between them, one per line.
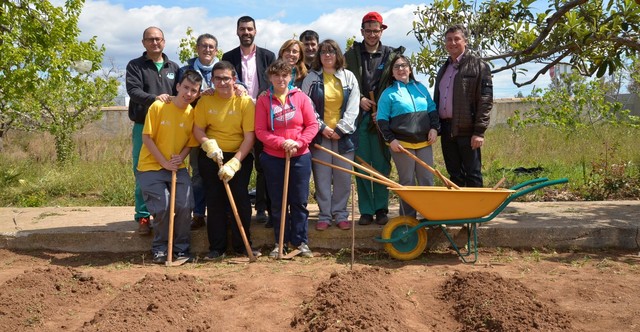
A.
pixel 118 25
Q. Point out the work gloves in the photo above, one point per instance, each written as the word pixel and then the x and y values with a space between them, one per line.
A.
pixel 212 149
pixel 228 170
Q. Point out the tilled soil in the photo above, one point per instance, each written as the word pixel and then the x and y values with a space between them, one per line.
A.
pixel 505 291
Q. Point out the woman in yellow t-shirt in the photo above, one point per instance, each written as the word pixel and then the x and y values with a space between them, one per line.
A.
pixel 335 94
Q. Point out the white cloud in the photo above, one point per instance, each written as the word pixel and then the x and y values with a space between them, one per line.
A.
pixel 120 29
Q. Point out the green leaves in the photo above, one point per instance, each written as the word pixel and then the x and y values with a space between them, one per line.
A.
pixel 592 36
pixel 39 44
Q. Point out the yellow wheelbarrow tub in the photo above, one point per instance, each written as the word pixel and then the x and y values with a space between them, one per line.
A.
pixel 441 203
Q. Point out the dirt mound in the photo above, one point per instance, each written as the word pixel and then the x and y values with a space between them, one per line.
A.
pixel 358 300
pixel 158 302
pixel 484 301
pixel 48 298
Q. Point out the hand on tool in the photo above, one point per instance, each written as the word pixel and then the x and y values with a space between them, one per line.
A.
pixel 210 146
pixel 290 146
pixel 228 170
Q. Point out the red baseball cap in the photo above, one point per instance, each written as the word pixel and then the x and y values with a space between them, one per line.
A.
pixel 373 17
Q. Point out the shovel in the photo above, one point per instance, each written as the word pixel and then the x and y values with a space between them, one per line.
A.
pixel 436 172
pixel 283 212
pixel 232 202
pixel 172 210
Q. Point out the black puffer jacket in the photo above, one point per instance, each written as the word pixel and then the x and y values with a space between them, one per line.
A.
pixel 472 95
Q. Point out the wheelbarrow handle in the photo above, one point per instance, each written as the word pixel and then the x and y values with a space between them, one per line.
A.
pixel 528 183
pixel 546 183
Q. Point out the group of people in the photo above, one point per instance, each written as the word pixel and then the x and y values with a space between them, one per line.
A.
pixel 253 109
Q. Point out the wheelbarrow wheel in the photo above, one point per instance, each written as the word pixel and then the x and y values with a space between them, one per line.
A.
pixel 411 245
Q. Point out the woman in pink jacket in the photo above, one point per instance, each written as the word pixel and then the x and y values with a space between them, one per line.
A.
pixel 286 124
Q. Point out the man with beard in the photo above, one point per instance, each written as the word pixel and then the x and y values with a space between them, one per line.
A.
pixel 310 39
pixel 250 63
pixel 370 62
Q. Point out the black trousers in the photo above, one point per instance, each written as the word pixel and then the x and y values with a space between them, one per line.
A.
pixel 464 164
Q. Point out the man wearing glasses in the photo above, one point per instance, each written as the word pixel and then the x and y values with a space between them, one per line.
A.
pixel 149 78
pixel 370 62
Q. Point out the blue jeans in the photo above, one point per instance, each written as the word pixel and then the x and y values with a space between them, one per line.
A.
pixel 296 222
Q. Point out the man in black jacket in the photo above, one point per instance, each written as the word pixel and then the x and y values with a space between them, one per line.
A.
pixel 464 98
pixel 149 78
pixel 251 62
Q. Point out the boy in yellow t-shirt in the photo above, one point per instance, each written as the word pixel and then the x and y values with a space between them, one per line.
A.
pixel 167 138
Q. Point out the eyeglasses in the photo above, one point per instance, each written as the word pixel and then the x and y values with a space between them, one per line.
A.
pixel 328 52
pixel 401 66
pixel 154 40
pixel 207 47
pixel 223 79
pixel 372 32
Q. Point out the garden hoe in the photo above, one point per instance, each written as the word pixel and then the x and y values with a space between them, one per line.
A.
pixel 172 210
pixel 234 208
pixel 283 212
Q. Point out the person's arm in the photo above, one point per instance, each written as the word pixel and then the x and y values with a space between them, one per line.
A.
pixel 310 122
pixel 263 122
pixel 483 107
pixel 384 115
pixel 135 85
pixel 155 152
pixel 347 125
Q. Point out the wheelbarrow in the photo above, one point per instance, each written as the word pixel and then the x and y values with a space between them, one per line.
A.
pixel 405 237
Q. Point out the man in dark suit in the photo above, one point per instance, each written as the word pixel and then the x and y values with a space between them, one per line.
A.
pixel 251 62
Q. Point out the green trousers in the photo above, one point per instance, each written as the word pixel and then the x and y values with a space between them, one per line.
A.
pixel 372 196
pixel 136 138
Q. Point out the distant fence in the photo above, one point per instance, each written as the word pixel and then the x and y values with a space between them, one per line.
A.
pixel 116 119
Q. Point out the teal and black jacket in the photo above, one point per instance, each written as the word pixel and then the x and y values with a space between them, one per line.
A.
pixel 406 112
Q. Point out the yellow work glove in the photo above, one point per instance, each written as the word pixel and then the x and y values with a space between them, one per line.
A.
pixel 228 170
pixel 212 149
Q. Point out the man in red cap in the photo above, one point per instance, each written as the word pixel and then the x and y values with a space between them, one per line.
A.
pixel 370 62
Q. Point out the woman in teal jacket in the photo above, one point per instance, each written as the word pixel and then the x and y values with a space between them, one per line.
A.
pixel 407 118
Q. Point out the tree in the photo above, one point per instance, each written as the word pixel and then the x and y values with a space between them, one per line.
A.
pixel 592 36
pixel 39 87
pixel 187 48
pixel 572 102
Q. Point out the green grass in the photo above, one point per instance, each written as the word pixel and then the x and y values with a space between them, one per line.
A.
pixel 101 175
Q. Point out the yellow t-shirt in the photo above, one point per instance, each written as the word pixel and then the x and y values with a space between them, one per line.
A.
pixel 333 96
pixel 171 129
pixel 226 120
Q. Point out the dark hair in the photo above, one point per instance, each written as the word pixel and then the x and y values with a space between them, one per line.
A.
pixel 144 33
pixel 245 19
pixel 192 76
pixel 279 67
pixel 402 56
pixel 225 65
pixel 309 35
pixel 206 36
pixel 457 28
pixel 331 44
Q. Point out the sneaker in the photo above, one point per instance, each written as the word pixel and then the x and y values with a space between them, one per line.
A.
pixel 365 219
pixel 305 251
pixel 322 225
pixel 243 252
pixel 197 222
pixel 381 217
pixel 159 257
pixel 143 226
pixel 182 255
pixel 344 225
pixel 261 217
pixel 213 255
pixel 274 252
